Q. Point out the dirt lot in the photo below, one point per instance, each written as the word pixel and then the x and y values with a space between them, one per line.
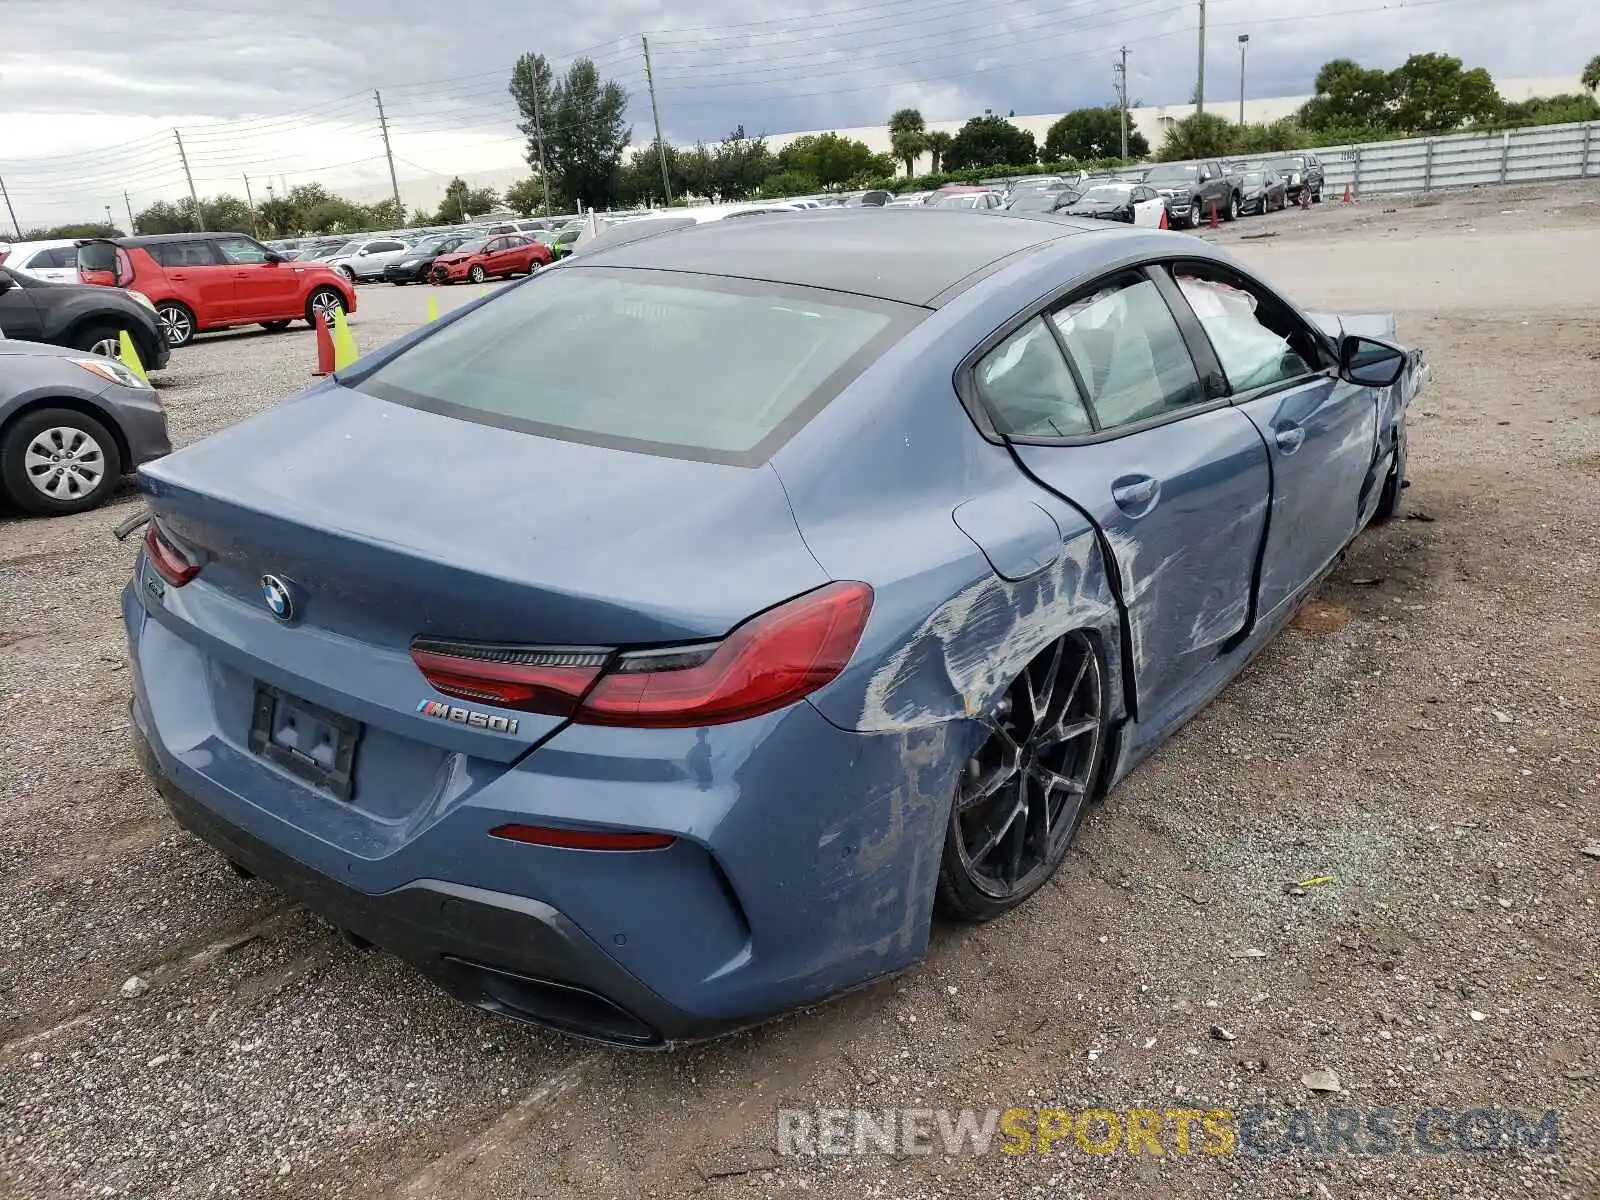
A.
pixel 1425 735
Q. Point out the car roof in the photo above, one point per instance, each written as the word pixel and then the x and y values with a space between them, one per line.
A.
pixel 922 257
pixel 46 244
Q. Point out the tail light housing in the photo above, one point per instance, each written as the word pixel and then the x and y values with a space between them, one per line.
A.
pixel 171 561
pixel 768 662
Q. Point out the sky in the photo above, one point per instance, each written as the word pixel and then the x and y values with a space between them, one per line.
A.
pixel 91 91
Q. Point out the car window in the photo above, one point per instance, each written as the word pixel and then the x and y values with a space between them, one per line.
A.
pixel 1029 390
pixel 241 250
pixel 387 246
pixel 1128 352
pixel 183 254
pixel 683 365
pixel 1258 340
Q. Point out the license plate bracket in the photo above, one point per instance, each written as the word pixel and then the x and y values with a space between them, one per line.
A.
pixel 309 741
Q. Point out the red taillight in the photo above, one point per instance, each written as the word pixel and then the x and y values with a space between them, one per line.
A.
pixel 768 662
pixel 170 562
pixel 526 678
pixel 582 839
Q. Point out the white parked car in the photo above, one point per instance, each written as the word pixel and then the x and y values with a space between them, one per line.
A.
pixel 367 259
pixel 55 261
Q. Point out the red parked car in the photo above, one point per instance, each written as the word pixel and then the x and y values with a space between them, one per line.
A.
pixel 204 281
pixel 505 254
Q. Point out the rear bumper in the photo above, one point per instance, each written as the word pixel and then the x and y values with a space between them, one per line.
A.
pixel 505 954
pixel 804 866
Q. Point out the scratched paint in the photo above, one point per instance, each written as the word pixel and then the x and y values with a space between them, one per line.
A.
pixel 964 655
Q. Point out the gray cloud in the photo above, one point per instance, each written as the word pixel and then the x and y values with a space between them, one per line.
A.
pixel 89 91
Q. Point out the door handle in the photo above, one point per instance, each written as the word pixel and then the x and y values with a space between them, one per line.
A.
pixel 176 275
pixel 1136 495
pixel 1289 436
pixel 241 274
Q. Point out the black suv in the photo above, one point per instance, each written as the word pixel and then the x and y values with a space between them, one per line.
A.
pixel 1301 172
pixel 80 316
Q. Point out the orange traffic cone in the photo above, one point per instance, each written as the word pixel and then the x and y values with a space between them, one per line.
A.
pixel 1349 195
pixel 1163 223
pixel 1213 214
pixel 324 347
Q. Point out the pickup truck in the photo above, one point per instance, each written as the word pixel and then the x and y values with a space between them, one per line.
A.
pixel 1191 189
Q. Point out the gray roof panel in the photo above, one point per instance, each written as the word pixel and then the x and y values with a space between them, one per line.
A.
pixel 902 254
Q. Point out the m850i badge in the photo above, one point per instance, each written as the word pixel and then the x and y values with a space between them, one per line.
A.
pixel 467 716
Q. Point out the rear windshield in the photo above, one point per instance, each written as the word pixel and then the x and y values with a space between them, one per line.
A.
pixel 718 369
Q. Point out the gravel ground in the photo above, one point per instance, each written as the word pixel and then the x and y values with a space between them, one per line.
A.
pixel 1424 735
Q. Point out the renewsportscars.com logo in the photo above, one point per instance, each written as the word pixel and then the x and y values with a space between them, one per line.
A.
pixel 1260 1129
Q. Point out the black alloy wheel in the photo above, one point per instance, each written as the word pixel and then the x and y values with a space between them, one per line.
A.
pixel 1021 795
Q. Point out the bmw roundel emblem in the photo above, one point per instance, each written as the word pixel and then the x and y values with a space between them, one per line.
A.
pixel 278 597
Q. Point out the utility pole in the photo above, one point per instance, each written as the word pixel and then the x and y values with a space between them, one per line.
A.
pixel 1122 98
pixel 198 218
pixel 129 205
pixel 383 124
pixel 255 230
pixel 538 133
pixel 661 147
pixel 1244 40
pixel 17 228
pixel 1200 82
pixel 109 225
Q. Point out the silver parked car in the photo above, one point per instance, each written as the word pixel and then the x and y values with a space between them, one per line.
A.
pixel 72 424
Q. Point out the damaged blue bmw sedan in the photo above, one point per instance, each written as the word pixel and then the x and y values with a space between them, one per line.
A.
pixel 650 648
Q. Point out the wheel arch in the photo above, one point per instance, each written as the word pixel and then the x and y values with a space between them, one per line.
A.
pixel 78 404
pixel 147 350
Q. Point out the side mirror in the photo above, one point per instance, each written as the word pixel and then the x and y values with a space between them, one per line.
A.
pixel 272 259
pixel 1369 362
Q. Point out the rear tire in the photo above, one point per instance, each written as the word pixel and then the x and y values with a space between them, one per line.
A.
pixel 477 274
pixel 177 322
pixel 1024 791
pixel 56 461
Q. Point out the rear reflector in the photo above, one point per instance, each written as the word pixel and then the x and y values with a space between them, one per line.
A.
pixel 170 562
pixel 582 839
pixel 767 663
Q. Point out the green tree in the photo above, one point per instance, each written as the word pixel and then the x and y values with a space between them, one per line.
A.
pixel 278 217
pixel 1348 94
pixel 740 164
pixel 1591 74
pixel 1266 138
pixel 990 141
pixel 789 183
pixel 461 202
pixel 908 137
pixel 1199 135
pixel 1569 107
pixel 939 143
pixel 526 196
pixel 581 120
pixel 164 217
pixel 831 160
pixel 639 177
pixel 1092 133
pixel 97 229
pixel 1430 93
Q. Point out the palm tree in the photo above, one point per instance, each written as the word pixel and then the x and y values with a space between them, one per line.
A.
pixel 907 137
pixel 1591 74
pixel 938 143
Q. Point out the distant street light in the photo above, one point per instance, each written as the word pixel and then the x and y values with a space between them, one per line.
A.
pixel 1244 40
